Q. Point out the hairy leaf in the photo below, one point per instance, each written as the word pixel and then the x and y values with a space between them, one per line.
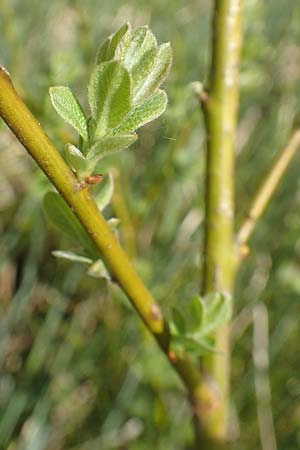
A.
pixel 143 113
pixel 109 145
pixel 159 71
pixel 69 108
pixel 142 41
pixel 115 45
pixel 75 158
pixel 109 94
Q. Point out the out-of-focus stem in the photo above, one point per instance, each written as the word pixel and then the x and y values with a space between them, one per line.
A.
pixel 267 189
pixel 261 377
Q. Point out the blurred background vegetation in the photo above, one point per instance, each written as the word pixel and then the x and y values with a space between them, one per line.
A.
pixel 77 369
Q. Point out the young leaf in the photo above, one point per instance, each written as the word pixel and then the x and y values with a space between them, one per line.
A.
pixel 196 312
pixel 114 45
pixel 69 108
pixel 60 215
pixel 71 256
pixel 113 223
pixel 98 270
pixel 140 71
pixel 141 42
pixel 104 191
pixel 109 94
pixel 159 71
pixel 109 145
pixel 143 113
pixel 179 321
pixel 75 158
pixel 191 345
pixel 218 308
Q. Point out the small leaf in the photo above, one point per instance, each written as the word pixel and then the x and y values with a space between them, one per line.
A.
pixel 98 270
pixel 191 345
pixel 140 71
pixel 109 94
pixel 60 215
pixel 143 113
pixel 142 41
pixel 75 158
pixel 179 321
pixel 104 191
pixel 109 145
pixel 113 223
pixel 196 312
pixel 159 71
pixel 71 256
pixel 218 308
pixel 69 108
pixel 114 45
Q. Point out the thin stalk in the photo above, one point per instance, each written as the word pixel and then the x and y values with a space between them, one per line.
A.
pixel 220 106
pixel 267 189
pixel 30 133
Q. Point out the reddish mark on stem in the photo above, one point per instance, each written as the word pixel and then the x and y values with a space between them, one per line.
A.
pixel 94 179
pixel 172 356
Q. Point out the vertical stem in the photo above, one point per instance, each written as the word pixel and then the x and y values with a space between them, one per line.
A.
pixel 220 107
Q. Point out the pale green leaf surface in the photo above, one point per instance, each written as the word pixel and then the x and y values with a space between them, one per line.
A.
pixel 143 113
pixel 179 321
pixel 109 94
pixel 98 270
pixel 113 223
pixel 142 41
pixel 69 108
pixel 104 191
pixel 159 71
pixel 218 308
pixel 196 312
pixel 75 158
pixel 114 45
pixel 109 145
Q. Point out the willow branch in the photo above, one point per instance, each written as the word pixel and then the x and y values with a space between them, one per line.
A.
pixel 267 189
pixel 29 132
pixel 220 106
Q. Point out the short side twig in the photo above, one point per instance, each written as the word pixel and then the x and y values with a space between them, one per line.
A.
pixel 267 189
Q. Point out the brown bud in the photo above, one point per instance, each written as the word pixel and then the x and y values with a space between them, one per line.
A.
pixel 94 179
pixel 172 356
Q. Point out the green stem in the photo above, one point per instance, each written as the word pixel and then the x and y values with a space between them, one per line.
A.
pixel 267 189
pixel 24 125
pixel 220 106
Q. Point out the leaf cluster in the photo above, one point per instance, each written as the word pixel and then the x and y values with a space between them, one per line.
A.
pixel 123 95
pixel 193 326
